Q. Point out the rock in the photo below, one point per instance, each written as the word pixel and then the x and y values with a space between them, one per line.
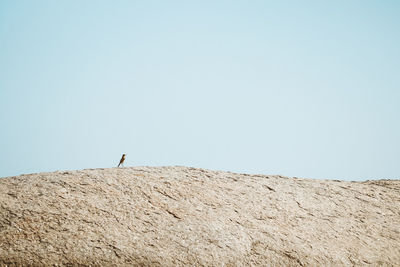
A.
pixel 179 216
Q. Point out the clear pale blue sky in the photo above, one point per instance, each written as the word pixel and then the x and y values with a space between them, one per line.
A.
pixel 299 88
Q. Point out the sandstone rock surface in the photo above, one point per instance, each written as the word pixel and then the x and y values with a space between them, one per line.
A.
pixel 179 216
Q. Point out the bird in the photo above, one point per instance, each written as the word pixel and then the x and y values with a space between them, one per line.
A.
pixel 121 162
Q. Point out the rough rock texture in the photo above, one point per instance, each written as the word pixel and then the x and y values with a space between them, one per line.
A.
pixel 170 216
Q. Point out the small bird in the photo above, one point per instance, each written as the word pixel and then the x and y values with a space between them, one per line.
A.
pixel 121 162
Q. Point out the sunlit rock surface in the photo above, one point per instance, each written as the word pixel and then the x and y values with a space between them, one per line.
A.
pixel 179 216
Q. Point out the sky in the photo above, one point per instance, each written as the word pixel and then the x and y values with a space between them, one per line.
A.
pixel 298 88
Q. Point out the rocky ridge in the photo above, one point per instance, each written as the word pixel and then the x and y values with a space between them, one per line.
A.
pixel 179 216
